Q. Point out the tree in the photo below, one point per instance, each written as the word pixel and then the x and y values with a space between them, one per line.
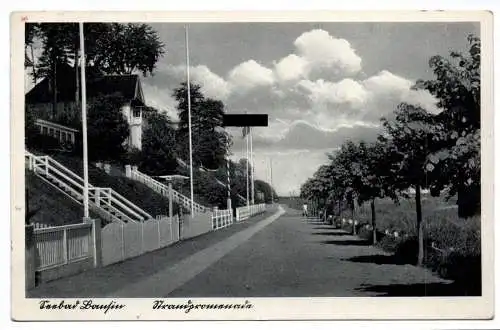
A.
pixel 108 129
pixel 110 48
pixel 157 156
pixel 31 31
pixel 126 48
pixel 455 162
pixel 209 143
pixel 266 189
pixel 363 170
pixel 407 138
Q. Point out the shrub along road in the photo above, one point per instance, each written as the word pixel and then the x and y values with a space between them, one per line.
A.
pixel 287 256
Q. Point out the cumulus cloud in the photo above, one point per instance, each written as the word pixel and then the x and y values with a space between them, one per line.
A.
pixel 250 74
pixel 318 54
pixel 291 67
pixel 324 51
pixel 213 85
pixel 344 91
pixel 319 83
pixel 160 100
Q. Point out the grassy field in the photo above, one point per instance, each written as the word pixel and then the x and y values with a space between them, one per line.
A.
pixel 452 244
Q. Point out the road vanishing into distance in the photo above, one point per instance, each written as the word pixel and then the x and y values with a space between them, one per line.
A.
pixel 277 254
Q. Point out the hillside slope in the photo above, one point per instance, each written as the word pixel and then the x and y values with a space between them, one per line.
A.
pixel 136 192
pixel 53 207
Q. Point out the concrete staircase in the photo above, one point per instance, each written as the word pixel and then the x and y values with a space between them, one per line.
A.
pixel 163 189
pixel 106 202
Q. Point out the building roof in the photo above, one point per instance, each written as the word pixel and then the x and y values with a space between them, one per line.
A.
pixel 128 86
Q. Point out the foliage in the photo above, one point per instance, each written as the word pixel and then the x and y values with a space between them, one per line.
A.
pixel 157 156
pixel 107 128
pixel 417 149
pixel 110 48
pixel 266 189
pixel 456 162
pixel 209 144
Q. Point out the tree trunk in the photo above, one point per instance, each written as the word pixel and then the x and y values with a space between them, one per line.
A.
pixel 420 231
pixel 374 223
pixel 469 200
pixel 352 218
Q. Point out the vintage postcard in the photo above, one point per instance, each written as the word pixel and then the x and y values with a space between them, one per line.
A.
pixel 252 165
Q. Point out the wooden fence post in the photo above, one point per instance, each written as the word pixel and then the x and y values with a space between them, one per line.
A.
pixel 65 245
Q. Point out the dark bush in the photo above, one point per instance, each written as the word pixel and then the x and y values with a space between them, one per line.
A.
pixel 43 143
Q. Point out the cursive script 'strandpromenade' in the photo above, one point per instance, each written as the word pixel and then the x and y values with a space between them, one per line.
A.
pixel 87 304
pixel 187 307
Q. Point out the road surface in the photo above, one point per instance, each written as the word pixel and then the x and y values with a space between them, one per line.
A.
pixel 276 255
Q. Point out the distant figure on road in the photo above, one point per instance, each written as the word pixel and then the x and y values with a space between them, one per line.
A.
pixel 304 210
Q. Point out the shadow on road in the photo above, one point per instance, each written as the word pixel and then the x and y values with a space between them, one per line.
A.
pixel 348 242
pixel 326 227
pixel 332 233
pixel 378 259
pixel 421 290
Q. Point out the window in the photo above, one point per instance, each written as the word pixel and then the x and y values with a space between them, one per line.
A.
pixel 137 112
pixel 44 130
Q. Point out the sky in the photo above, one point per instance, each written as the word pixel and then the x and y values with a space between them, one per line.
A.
pixel 319 83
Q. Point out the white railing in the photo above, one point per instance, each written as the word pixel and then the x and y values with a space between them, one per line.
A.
pixel 38 225
pixel 221 219
pixel 164 190
pixel 60 132
pixel 61 245
pixel 103 199
pixel 245 212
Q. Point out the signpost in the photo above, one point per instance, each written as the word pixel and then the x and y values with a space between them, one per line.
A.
pixel 247 121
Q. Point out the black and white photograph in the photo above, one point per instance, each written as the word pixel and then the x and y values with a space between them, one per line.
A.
pixel 206 165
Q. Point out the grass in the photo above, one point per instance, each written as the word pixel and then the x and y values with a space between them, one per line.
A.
pixel 135 192
pixel 457 242
pixel 51 206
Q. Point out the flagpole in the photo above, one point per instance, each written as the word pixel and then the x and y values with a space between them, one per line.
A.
pixel 272 194
pixel 189 123
pixel 247 163
pixel 252 168
pixel 229 207
pixel 84 128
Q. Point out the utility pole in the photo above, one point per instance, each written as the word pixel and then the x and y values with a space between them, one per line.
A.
pixel 189 124
pixel 252 168
pixel 84 129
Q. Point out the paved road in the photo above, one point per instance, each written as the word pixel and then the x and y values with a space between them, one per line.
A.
pixel 283 255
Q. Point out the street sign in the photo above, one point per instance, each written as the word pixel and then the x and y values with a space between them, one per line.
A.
pixel 245 120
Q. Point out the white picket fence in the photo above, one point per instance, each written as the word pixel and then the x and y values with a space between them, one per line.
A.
pixel 105 201
pixel 222 219
pixel 245 212
pixel 121 241
pixel 61 245
pixel 164 191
